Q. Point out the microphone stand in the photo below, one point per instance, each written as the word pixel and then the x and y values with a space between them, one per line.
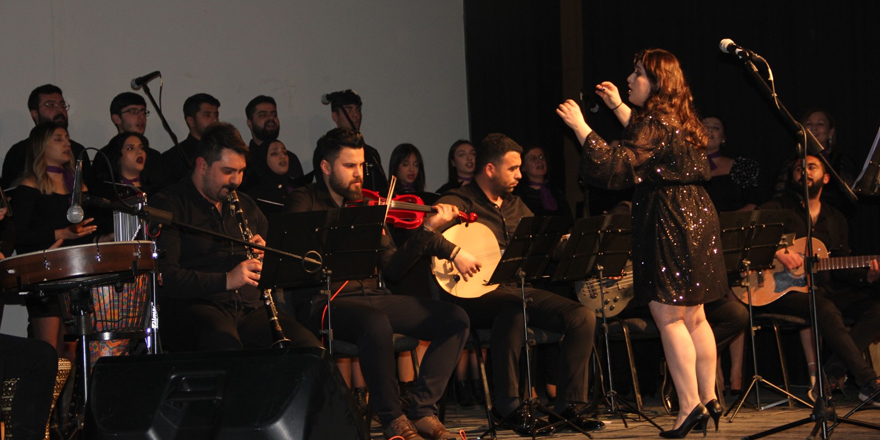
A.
pixel 165 124
pixel 823 411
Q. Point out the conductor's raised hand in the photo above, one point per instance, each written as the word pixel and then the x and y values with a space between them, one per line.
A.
pixel 571 114
pixel 466 264
pixel 246 273
pixel 609 93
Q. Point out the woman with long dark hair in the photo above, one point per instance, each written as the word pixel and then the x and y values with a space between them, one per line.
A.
pixel 461 161
pixel 677 260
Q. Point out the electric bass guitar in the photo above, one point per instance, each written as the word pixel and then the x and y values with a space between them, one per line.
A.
pixel 771 284
pixel 618 292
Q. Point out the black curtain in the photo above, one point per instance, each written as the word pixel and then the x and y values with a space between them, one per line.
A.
pixel 514 73
pixel 820 53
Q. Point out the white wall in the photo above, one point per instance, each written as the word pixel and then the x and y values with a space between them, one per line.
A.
pixel 405 58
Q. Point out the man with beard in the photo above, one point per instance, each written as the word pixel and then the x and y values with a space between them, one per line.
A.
pixel 840 294
pixel 199 111
pixel 368 315
pixel 490 196
pixel 208 299
pixel 46 104
pixel 262 120
pixel 128 112
pixel 345 109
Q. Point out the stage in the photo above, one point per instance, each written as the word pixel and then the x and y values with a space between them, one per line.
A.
pixel 748 422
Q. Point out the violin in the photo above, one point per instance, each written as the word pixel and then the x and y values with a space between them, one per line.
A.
pixel 406 211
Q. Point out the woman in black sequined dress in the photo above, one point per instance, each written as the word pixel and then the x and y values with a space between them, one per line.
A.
pixel 678 265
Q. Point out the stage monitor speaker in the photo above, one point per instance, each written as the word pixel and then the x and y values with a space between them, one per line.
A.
pixel 249 394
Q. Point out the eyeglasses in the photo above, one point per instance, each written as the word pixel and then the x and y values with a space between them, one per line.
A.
pixel 137 111
pixel 52 105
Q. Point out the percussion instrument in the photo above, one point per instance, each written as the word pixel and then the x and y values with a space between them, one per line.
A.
pixel 58 269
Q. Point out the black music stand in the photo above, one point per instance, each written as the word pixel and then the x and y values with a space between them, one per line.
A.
pixel 600 245
pixel 349 239
pixel 526 256
pixel 749 241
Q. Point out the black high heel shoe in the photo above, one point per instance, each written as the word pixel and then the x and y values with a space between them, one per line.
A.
pixel 715 409
pixel 699 416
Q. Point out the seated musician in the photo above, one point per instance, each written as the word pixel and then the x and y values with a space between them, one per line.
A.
pixel 34 363
pixel 208 299
pixel 40 205
pixel 490 196
pixel 367 314
pixel 846 293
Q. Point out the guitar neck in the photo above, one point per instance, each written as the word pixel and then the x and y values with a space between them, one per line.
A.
pixel 850 262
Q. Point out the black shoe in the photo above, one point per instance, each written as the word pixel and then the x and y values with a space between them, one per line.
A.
pixel 477 389
pixel 698 417
pixel 463 394
pixel 715 409
pixel 405 390
pixel 583 422
pixel 869 390
pixel 520 422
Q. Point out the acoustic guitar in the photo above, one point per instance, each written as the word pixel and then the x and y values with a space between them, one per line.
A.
pixel 771 284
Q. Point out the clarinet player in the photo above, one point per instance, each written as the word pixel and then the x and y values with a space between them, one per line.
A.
pixel 209 298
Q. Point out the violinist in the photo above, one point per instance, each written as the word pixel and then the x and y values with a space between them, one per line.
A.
pixel 366 314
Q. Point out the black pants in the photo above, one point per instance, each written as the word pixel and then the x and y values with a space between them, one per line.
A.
pixel 35 364
pixel 199 325
pixel 728 318
pixel 371 321
pixel 846 346
pixel 501 311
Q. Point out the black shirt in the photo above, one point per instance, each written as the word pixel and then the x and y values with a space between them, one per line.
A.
pixel 394 262
pixel 179 161
pixel 501 220
pixel 194 266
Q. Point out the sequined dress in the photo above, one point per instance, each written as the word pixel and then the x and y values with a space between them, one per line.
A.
pixel 677 255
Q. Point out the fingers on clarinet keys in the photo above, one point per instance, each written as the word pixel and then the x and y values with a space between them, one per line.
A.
pixel 698 417
pixel 870 390
pixel 520 422
pixel 715 409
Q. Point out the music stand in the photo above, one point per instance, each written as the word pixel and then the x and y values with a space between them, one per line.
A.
pixel 526 257
pixel 749 242
pixel 600 245
pixel 349 239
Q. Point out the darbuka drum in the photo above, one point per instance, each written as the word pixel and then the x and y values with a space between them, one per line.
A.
pixel 48 270
pixel 115 274
pixel 120 310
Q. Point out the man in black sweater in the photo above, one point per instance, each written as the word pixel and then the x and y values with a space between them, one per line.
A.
pixel 367 314
pixel 849 293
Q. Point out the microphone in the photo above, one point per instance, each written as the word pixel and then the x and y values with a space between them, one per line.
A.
pixel 727 45
pixel 327 97
pixel 75 212
pixel 141 80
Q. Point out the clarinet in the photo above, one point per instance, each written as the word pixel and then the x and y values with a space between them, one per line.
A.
pixel 281 341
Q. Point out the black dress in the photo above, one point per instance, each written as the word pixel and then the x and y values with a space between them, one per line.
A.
pixel 677 257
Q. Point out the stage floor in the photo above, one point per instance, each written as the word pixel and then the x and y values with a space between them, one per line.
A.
pixel 747 422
